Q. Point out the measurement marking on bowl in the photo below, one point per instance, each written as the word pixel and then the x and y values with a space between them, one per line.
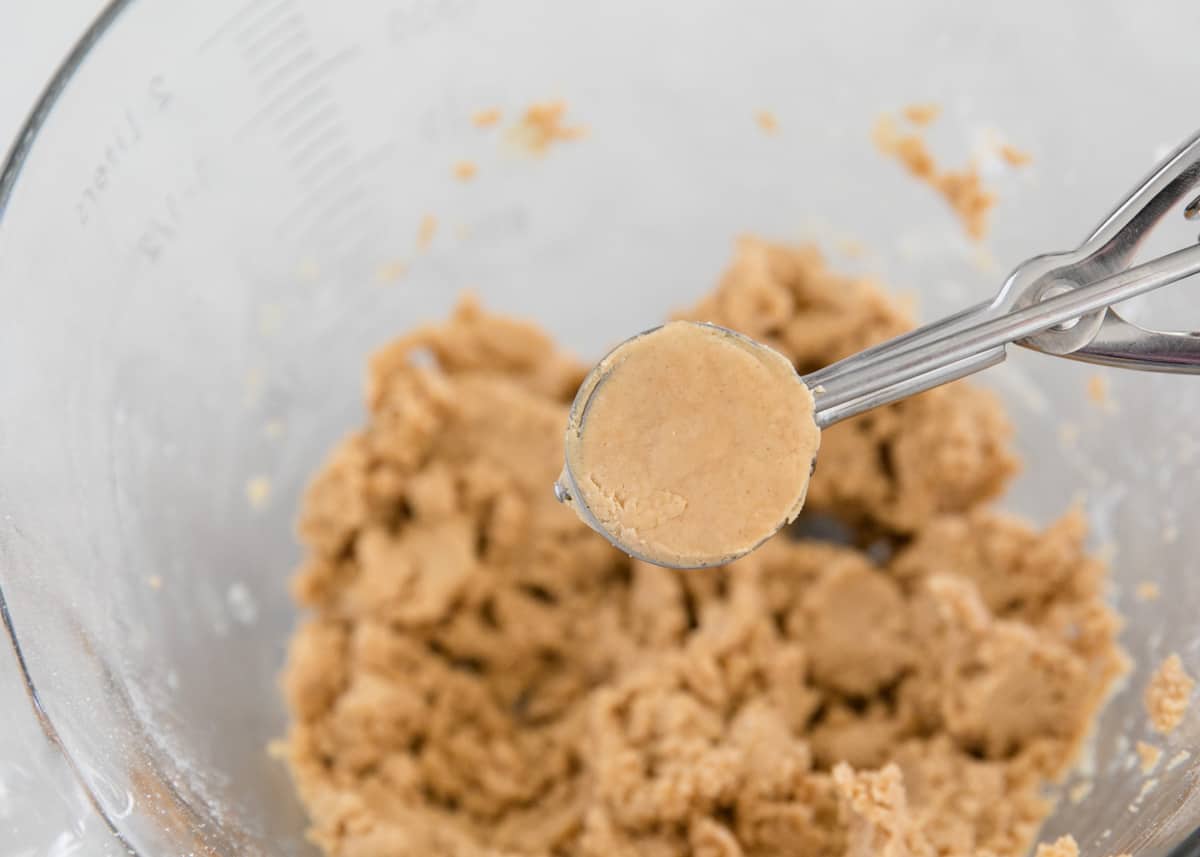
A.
pixel 301 59
pixel 338 156
pixel 328 205
pixel 372 158
pixel 292 29
pixel 244 17
pixel 305 117
pixel 304 148
pixel 261 61
pixel 322 189
pixel 297 88
pixel 325 112
pixel 419 17
pixel 126 137
pixel 325 67
pixel 306 213
pixel 253 31
pixel 288 110
pixel 344 223
pixel 333 205
pixel 167 216
pixel 291 25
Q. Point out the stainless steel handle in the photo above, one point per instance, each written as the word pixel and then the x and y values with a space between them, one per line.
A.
pixel 939 355
pixel 1060 304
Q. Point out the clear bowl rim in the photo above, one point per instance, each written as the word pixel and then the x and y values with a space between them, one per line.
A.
pixel 10 171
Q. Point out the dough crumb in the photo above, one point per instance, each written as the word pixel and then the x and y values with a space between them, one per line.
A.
pixel 1098 392
pixel 767 121
pixel 390 272
pixel 880 821
pixel 1149 754
pixel 154 581
pixel 258 492
pixel 253 385
pixel 962 189
pixel 1167 695
pixel 1064 846
pixel 465 170
pixel 542 124
pixel 426 232
pixel 488 117
pixel 308 269
pixel 1147 590
pixel 1080 791
pixel 852 248
pixel 1015 157
pixel 984 259
pixel 270 317
pixel 922 114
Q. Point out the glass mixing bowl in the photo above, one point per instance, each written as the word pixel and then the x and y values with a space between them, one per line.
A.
pixel 202 227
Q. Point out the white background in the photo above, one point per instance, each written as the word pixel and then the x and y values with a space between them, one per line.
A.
pixel 42 812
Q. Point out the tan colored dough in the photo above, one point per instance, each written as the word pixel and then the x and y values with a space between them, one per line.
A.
pixel 1064 846
pixel 690 445
pixel 1149 756
pixel 481 675
pixel 1168 694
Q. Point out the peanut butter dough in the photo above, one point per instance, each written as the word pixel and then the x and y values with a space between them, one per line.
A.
pixel 690 445
pixel 542 125
pixel 1064 846
pixel 1149 756
pixel 962 189
pixel 1168 693
pixel 481 675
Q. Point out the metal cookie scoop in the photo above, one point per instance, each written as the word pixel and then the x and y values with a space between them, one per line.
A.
pixel 1059 304
pixel 689 445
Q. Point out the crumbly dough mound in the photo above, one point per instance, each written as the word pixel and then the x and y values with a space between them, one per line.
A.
pixel 891 469
pixel 481 675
